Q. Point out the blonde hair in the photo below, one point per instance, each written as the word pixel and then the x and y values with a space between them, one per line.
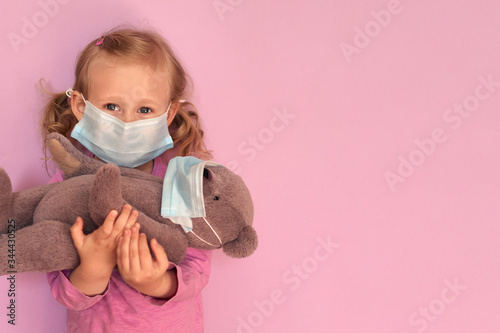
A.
pixel 132 44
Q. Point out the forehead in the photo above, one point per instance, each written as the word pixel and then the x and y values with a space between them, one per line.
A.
pixel 113 73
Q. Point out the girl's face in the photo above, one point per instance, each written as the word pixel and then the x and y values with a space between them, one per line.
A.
pixel 127 90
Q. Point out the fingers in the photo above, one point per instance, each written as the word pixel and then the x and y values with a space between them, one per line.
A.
pixel 127 249
pixel 132 219
pixel 122 251
pixel 160 255
pixel 144 254
pixel 126 219
pixel 115 223
pixel 133 252
pixel 77 232
pixel 135 264
pixel 105 230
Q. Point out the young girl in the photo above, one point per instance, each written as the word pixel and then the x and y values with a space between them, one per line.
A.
pixel 132 76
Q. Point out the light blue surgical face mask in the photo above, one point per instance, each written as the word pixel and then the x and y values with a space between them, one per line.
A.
pixel 124 144
pixel 182 197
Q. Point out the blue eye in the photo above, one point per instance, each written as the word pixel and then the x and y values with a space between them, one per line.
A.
pixel 145 110
pixel 111 107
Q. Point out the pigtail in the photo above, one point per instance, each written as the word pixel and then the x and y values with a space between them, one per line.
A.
pixel 187 134
pixel 56 116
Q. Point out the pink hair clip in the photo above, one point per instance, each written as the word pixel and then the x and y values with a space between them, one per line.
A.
pixel 99 41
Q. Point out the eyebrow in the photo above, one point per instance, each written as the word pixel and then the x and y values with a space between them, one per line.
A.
pixel 142 101
pixel 149 101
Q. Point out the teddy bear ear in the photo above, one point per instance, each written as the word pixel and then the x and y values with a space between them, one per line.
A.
pixel 244 245
pixel 62 154
pixel 209 174
pixel 211 182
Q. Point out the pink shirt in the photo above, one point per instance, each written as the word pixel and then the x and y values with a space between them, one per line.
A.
pixel 123 309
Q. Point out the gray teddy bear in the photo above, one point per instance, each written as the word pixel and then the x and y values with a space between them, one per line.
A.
pixel 35 223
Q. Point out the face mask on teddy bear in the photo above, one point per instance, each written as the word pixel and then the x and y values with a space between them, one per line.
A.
pixel 182 197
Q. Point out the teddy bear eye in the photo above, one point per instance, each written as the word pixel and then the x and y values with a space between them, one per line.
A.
pixel 216 198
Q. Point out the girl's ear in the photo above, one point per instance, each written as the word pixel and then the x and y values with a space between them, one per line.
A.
pixel 172 111
pixel 77 104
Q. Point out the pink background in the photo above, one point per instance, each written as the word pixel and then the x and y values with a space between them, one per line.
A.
pixel 316 105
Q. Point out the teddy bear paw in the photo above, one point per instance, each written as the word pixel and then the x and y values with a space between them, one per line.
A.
pixel 5 200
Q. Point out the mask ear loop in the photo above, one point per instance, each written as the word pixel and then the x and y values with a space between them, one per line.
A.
pixel 69 92
pixel 168 107
pixel 204 241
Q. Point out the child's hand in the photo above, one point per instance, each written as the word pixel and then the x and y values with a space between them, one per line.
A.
pixel 140 270
pixel 97 250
